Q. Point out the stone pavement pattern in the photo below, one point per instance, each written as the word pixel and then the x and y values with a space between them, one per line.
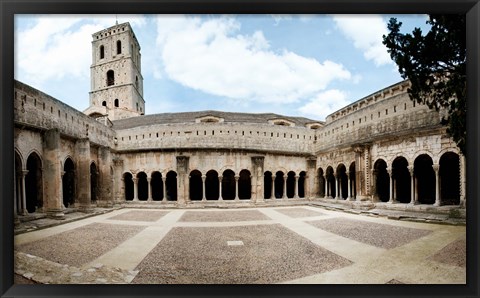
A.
pixel 297 244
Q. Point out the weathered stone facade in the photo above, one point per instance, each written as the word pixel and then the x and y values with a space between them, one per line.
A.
pixel 381 149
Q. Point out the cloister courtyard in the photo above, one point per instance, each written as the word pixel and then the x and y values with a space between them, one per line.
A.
pixel 291 244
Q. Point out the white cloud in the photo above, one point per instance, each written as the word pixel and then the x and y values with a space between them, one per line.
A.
pixel 325 103
pixel 211 56
pixel 366 32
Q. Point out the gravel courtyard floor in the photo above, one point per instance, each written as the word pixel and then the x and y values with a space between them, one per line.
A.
pixel 298 244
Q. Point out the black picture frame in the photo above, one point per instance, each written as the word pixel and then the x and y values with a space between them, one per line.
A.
pixel 11 7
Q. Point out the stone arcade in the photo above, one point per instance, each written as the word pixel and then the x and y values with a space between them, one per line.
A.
pixel 382 150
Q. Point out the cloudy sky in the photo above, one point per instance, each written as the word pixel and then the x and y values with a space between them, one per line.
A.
pixel 295 65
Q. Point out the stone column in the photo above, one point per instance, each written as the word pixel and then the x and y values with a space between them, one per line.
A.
pixel 135 188
pixel 394 189
pixel 336 185
pixel 349 183
pixel 412 186
pixel 118 180
pixel 52 178
pixel 284 195
pixel 310 188
pixel 236 188
pixel 340 195
pixel 149 181
pixel 164 181
pixel 23 209
pixel 220 197
pixel 295 187
pixel 182 179
pixel 257 183
pixel 325 182
pixel 105 186
pixel 83 178
pixel 374 186
pixel 272 193
pixel 362 166
pixel 436 168
pixel 204 177
pixel 389 171
pixel 416 191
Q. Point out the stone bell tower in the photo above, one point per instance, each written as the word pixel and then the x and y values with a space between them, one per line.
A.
pixel 116 78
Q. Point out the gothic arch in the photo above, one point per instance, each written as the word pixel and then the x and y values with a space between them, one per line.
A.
pixel 244 185
pixel 128 186
pixel 196 185
pixel 171 186
pixel 449 174
pixel 212 185
pixel 401 180
pixel 68 182
pixel 425 177
pixel 34 182
pixel 156 183
pixel 268 183
pixel 142 186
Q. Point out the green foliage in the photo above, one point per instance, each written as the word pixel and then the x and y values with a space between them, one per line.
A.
pixel 435 64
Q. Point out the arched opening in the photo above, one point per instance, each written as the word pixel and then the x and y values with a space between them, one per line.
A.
pixel 128 184
pixel 244 185
pixel 68 183
pixel 301 184
pixel 211 185
pixel 102 52
pixel 290 184
pixel 196 186
pixel 401 180
pixel 450 178
pixel 331 190
pixel 142 186
pixel 104 103
pixel 267 182
pixel 136 82
pixel 382 183
pixel 34 183
pixel 342 182
pixel 228 185
pixel 171 185
pixel 18 183
pixel 425 177
pixel 93 182
pixel 353 181
pixel 157 186
pixel 119 47
pixel 110 78
pixel 116 102
pixel 279 185
pixel 321 184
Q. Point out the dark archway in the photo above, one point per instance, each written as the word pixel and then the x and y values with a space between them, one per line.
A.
pixel 18 183
pixel 353 180
pixel 290 184
pixel 157 186
pixel 342 181
pixel 331 189
pixel 244 185
pixel 171 185
pixel 301 184
pixel 196 186
pixel 119 47
pixel 142 186
pixel 34 183
pixel 450 178
pixel 93 182
pixel 382 183
pixel 128 184
pixel 321 183
pixel 68 183
pixel 425 179
pixel 401 176
pixel 279 185
pixel 211 185
pixel 267 182
pixel 228 185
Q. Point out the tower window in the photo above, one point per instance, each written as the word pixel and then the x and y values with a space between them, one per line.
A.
pixel 136 82
pixel 116 102
pixel 137 106
pixel 104 103
pixel 102 52
pixel 110 78
pixel 119 47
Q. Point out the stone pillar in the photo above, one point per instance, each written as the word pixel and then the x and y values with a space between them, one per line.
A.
pixel 105 186
pixel 83 178
pixel 362 166
pixel 389 171
pixel 182 179
pixel 135 188
pixel 295 188
pixel 220 197
pixel 349 183
pixel 118 180
pixel 204 177
pixel 394 189
pixel 23 209
pixel 284 194
pixel 257 172
pixel 336 185
pixel 463 177
pixel 340 195
pixel 374 186
pixel 412 186
pixel 325 182
pixel 236 187
pixel 436 168
pixel 272 193
pixel 310 185
pixel 52 179
pixel 416 191
pixel 149 181
pixel 164 181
